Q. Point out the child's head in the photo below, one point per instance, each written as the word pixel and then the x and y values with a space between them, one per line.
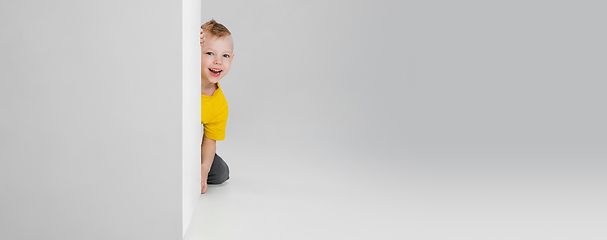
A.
pixel 217 51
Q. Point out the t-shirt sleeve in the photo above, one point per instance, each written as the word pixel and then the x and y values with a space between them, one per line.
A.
pixel 216 129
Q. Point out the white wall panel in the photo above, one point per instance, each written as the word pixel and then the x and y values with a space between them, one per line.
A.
pixel 91 126
pixel 192 131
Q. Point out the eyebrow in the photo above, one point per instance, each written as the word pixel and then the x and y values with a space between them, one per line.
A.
pixel 208 48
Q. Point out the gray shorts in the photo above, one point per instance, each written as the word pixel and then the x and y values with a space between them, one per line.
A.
pixel 219 172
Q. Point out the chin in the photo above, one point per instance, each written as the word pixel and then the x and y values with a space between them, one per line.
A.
pixel 212 80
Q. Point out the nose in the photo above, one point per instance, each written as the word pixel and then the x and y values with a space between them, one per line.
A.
pixel 217 60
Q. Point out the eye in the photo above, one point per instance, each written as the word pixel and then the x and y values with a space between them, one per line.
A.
pixel 210 53
pixel 226 55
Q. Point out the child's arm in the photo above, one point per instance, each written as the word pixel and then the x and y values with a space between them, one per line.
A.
pixel 207 154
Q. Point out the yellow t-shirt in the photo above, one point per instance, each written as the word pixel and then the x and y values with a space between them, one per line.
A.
pixel 214 114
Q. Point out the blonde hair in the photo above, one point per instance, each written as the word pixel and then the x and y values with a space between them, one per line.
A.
pixel 214 28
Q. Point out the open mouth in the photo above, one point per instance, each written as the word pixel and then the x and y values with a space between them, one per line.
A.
pixel 215 72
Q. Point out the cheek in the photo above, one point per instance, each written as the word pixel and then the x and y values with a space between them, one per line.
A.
pixel 205 57
pixel 227 64
pixel 205 61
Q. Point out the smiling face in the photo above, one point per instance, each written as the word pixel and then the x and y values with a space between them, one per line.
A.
pixel 216 58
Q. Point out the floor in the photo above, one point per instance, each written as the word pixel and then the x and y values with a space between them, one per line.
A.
pixel 325 195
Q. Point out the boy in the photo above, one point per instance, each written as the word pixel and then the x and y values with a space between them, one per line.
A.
pixel 217 47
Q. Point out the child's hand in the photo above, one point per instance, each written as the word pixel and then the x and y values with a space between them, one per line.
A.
pixel 201 38
pixel 204 186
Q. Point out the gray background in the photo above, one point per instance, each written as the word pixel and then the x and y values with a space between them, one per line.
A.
pixel 471 120
pixel 455 80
